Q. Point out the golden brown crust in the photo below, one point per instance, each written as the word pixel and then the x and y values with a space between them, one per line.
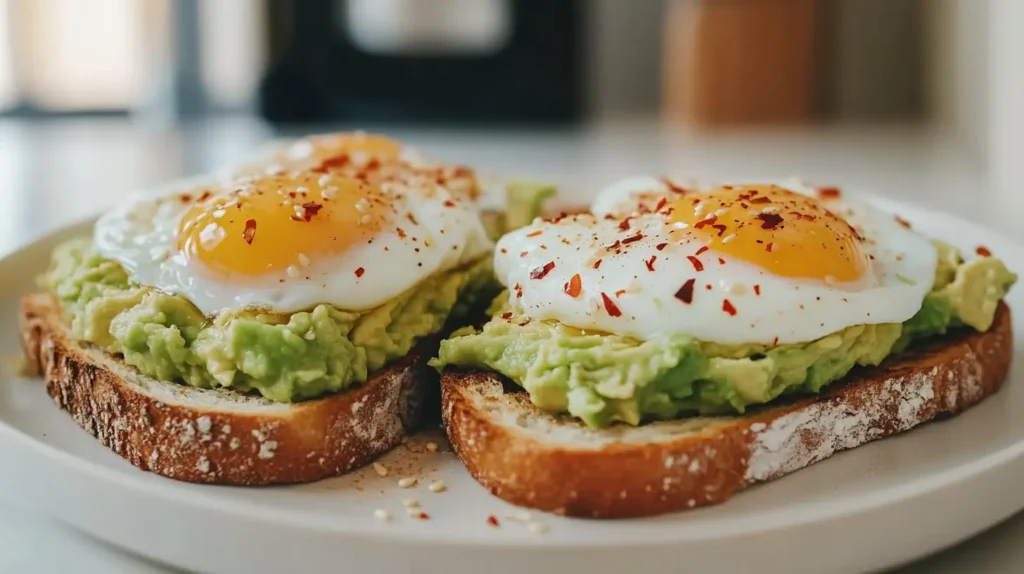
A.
pixel 221 437
pixel 568 469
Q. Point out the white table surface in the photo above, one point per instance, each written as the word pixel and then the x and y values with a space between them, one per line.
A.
pixel 55 173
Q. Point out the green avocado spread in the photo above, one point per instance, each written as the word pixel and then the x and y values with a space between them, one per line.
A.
pixel 284 357
pixel 602 378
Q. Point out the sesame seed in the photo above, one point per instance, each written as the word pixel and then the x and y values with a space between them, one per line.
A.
pixel 411 503
pixel 303 260
pixel 437 487
pixel 299 211
pixel 382 515
pixel 329 192
pixel 728 238
pixel 292 271
pixel 380 469
pixel 518 514
pixel 301 189
pixel 432 446
pixel 407 482
pixel 362 205
pixel 365 220
pixel 537 527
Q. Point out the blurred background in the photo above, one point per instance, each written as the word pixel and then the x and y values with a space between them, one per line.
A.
pixel 917 98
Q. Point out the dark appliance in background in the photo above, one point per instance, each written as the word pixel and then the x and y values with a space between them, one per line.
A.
pixel 425 61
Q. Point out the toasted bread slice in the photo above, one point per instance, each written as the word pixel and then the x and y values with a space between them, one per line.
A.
pixel 222 436
pixel 555 463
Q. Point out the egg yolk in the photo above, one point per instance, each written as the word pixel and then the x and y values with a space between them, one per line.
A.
pixel 281 223
pixel 786 233
pixel 340 150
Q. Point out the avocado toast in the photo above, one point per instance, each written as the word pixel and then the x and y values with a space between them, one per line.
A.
pixel 689 344
pixel 268 326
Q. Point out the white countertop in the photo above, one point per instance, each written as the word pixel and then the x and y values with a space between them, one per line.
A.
pixel 54 173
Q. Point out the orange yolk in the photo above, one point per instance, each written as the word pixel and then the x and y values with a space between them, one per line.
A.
pixel 281 221
pixel 341 150
pixel 786 233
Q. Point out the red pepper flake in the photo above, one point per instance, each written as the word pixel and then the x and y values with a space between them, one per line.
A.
pixel 775 342
pixel 650 262
pixel 701 250
pixel 250 231
pixel 542 272
pixel 769 246
pixel 685 293
pixel 574 287
pixel 902 221
pixel 720 228
pixel 597 264
pixel 672 186
pixel 762 199
pixel 620 293
pixel 721 261
pixel 206 195
pixel 633 238
pixel 503 250
pixel 757 289
pixel 522 254
pixel 624 224
pixel 519 291
pixel 609 306
pixel 492 521
pixel 697 265
pixel 412 218
pixel 728 308
pixel 506 315
pixel 401 232
pixel 310 209
pixel 707 286
pixel 661 203
pixel 983 251
pixel 449 203
pixel 829 192
pixel 803 216
pixel 360 271
pixel 185 198
pixel 336 161
pixel 661 246
pixel 769 220
pixel 374 163
pixel 423 516
pixel 535 233
pixel 705 222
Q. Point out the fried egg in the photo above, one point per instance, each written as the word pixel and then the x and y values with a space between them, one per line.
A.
pixel 293 237
pixel 758 264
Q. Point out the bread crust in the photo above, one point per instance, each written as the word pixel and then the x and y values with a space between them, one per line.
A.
pixel 223 437
pixel 616 472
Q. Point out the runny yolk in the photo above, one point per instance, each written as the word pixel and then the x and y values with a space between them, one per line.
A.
pixel 344 149
pixel 786 233
pixel 279 222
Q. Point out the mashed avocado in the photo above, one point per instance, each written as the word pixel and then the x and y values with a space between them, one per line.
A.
pixel 602 378
pixel 284 357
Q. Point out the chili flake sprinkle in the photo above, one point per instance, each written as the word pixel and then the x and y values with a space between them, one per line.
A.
pixel 697 265
pixel 541 272
pixel 701 250
pixel 757 289
pixel 902 221
pixel 609 306
pixel 250 231
pixel 728 308
pixel 762 199
pixel 769 220
pixel 685 293
pixel 310 209
pixel 492 521
pixel 983 251
pixel 506 315
pixel 633 238
pixel 574 287
pixel 624 224
pixel 535 233
pixel 597 264
pixel 650 262
pixel 360 271
pixel 829 192
pixel 661 246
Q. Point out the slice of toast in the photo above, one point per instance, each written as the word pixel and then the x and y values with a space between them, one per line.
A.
pixel 555 463
pixel 222 436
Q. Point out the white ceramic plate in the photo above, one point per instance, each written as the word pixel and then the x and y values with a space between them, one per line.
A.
pixel 873 507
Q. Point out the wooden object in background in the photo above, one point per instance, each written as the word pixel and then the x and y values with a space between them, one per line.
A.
pixel 737 62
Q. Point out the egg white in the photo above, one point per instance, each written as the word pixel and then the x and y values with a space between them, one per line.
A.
pixel 140 234
pixel 786 310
